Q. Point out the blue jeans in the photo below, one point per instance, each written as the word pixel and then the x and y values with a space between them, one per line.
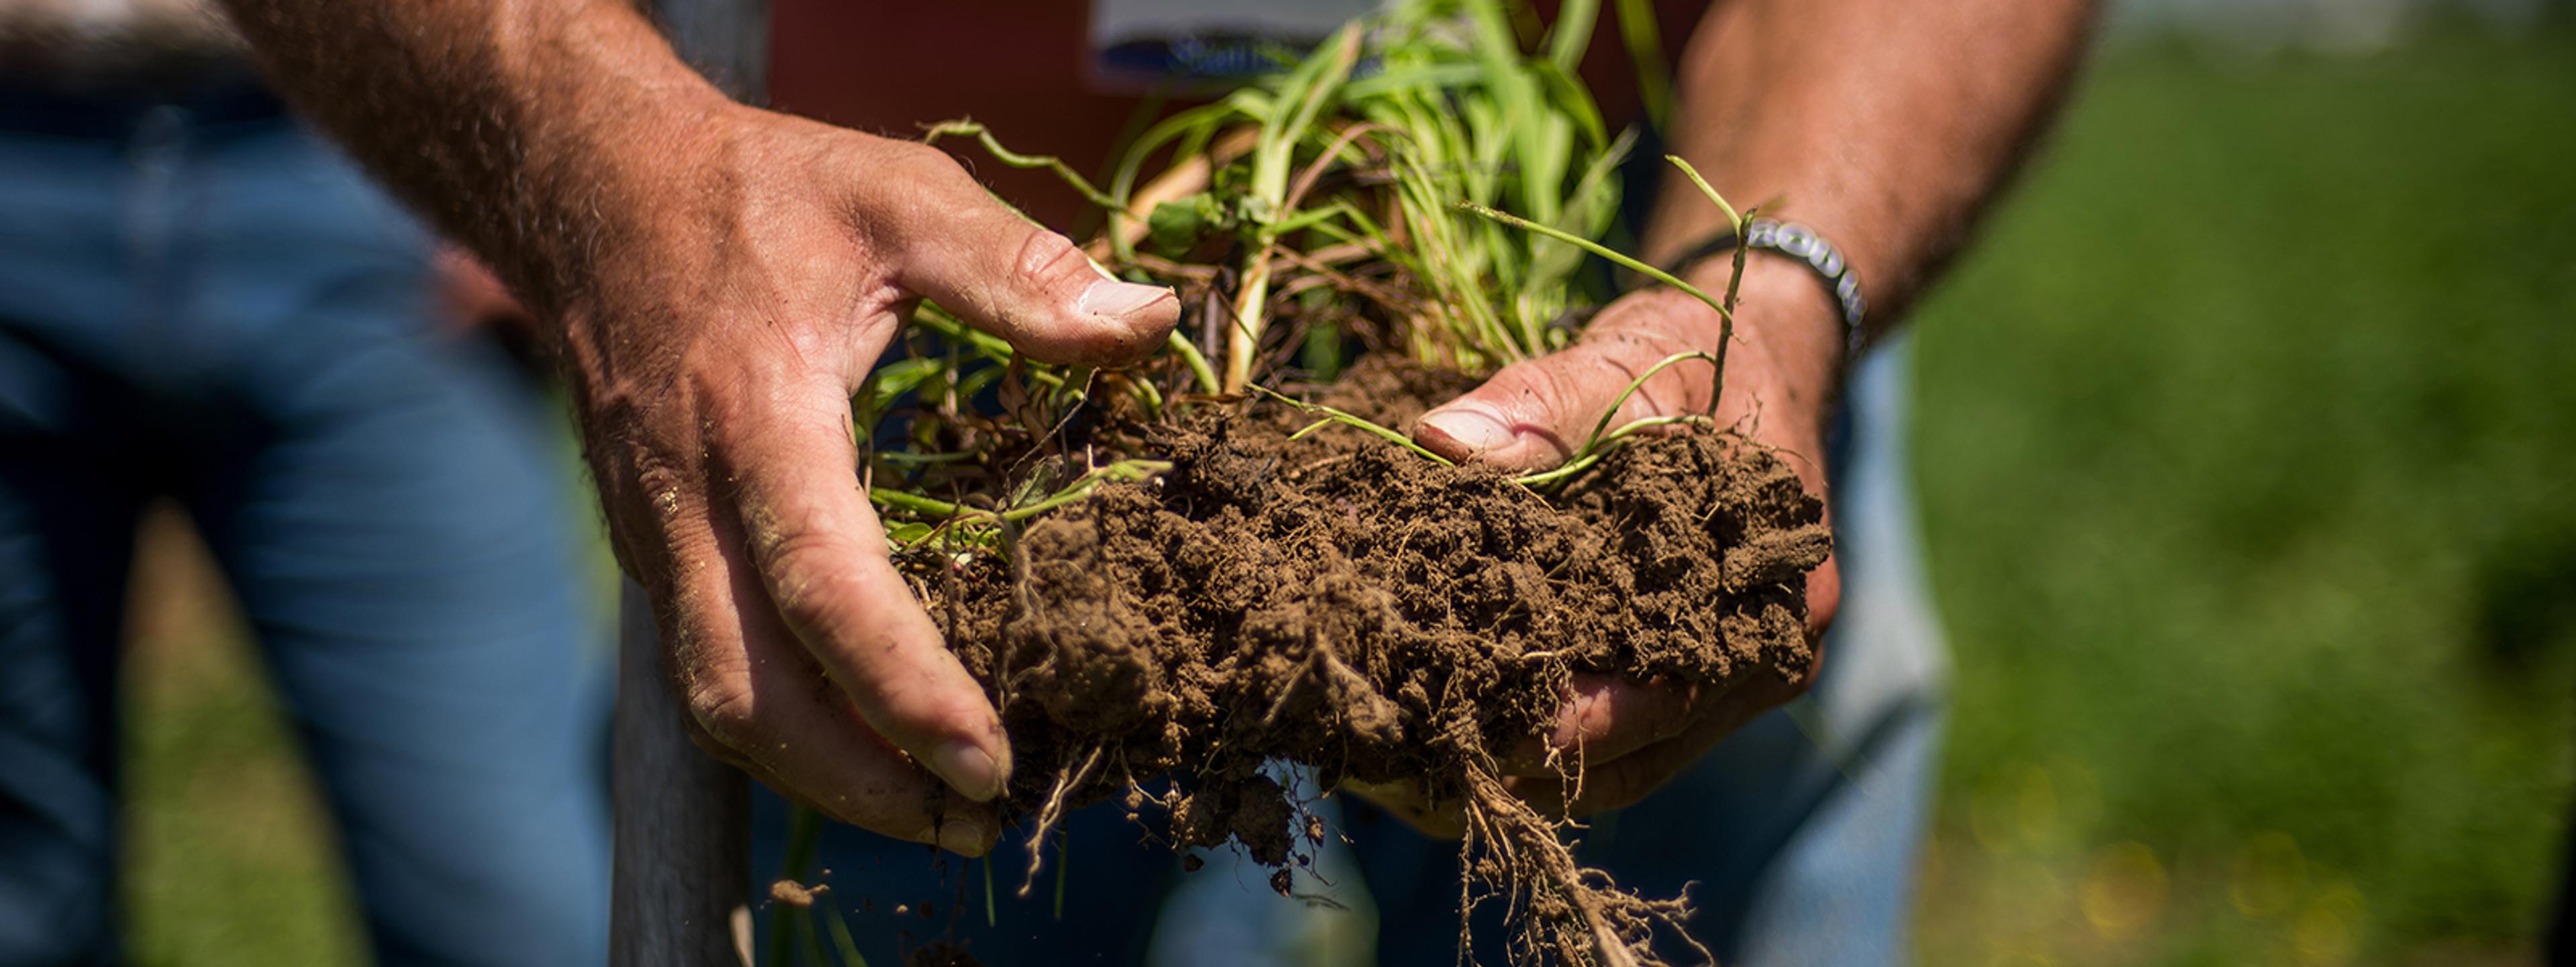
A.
pixel 1798 835
pixel 200 301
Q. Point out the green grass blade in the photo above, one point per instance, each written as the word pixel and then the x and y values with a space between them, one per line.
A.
pixel 809 939
pixel 990 918
pixel 1063 860
pixel 1735 221
pixel 1604 251
pixel 1633 385
pixel 1644 39
pixel 1196 360
pixel 846 945
pixel 1332 415
pixel 1571 34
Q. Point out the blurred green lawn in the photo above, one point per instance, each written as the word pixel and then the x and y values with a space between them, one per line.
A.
pixel 2248 440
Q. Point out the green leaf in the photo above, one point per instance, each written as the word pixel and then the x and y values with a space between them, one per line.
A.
pixel 1178 225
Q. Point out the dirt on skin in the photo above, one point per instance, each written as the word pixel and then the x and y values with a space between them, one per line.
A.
pixel 1345 603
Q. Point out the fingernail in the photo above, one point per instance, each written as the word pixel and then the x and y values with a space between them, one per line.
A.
pixel 970 769
pixel 1112 298
pixel 1473 430
pixel 958 836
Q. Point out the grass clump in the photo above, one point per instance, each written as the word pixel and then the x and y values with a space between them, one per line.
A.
pixel 1428 183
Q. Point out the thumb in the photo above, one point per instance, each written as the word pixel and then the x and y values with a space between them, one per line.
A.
pixel 1013 278
pixel 1535 413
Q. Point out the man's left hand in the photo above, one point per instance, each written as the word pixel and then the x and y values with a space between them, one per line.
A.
pixel 1630 736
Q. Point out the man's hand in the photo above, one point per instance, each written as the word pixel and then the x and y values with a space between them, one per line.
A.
pixel 1864 117
pixel 719 280
pixel 748 272
pixel 1626 736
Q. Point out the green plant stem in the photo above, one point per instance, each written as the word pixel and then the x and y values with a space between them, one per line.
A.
pixel 1739 224
pixel 1332 415
pixel 1063 861
pixel 1637 29
pixel 809 938
pixel 1081 487
pixel 1613 440
pixel 1633 386
pixel 1732 219
pixel 847 945
pixel 804 834
pixel 1198 362
pixel 976 130
pixel 1251 315
pixel 1601 250
pixel 924 506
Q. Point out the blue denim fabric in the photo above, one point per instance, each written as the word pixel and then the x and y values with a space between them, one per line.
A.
pixel 1798 835
pixel 200 300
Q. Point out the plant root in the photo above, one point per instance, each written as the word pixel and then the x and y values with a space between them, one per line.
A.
pixel 1560 909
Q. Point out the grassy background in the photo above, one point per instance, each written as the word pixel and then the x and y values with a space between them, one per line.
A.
pixel 2245 442
pixel 2246 449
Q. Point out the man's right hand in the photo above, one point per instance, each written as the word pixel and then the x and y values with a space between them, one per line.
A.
pixel 746 271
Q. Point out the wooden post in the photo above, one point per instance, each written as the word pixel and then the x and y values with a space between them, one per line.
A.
pixel 681 875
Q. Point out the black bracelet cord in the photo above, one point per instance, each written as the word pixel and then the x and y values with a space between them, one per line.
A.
pixel 1804 244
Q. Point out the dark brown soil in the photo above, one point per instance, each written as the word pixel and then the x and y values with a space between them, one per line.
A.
pixel 1347 604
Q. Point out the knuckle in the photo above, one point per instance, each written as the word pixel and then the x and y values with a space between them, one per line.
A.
pixel 725 711
pixel 663 484
pixel 812 574
pixel 923 179
pixel 1046 257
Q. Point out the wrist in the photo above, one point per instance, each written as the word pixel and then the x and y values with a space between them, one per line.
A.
pixel 1785 315
pixel 639 181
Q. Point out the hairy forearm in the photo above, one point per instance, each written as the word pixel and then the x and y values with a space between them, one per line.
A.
pixel 508 122
pixel 1885 124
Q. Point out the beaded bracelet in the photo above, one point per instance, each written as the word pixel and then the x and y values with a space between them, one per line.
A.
pixel 1801 243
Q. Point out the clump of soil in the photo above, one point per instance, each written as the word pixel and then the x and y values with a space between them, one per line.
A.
pixel 1347 604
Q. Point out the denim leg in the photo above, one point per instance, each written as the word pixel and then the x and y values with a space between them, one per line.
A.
pixel 897 896
pixel 69 491
pixel 66 540
pixel 1842 892
pixel 1227 912
pixel 389 503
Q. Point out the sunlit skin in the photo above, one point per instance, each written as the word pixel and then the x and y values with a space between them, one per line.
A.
pixel 718 279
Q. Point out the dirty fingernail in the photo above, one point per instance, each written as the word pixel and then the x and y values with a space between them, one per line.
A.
pixel 1473 430
pixel 970 769
pixel 1112 298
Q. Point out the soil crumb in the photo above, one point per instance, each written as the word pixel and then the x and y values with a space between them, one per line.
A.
pixel 796 894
